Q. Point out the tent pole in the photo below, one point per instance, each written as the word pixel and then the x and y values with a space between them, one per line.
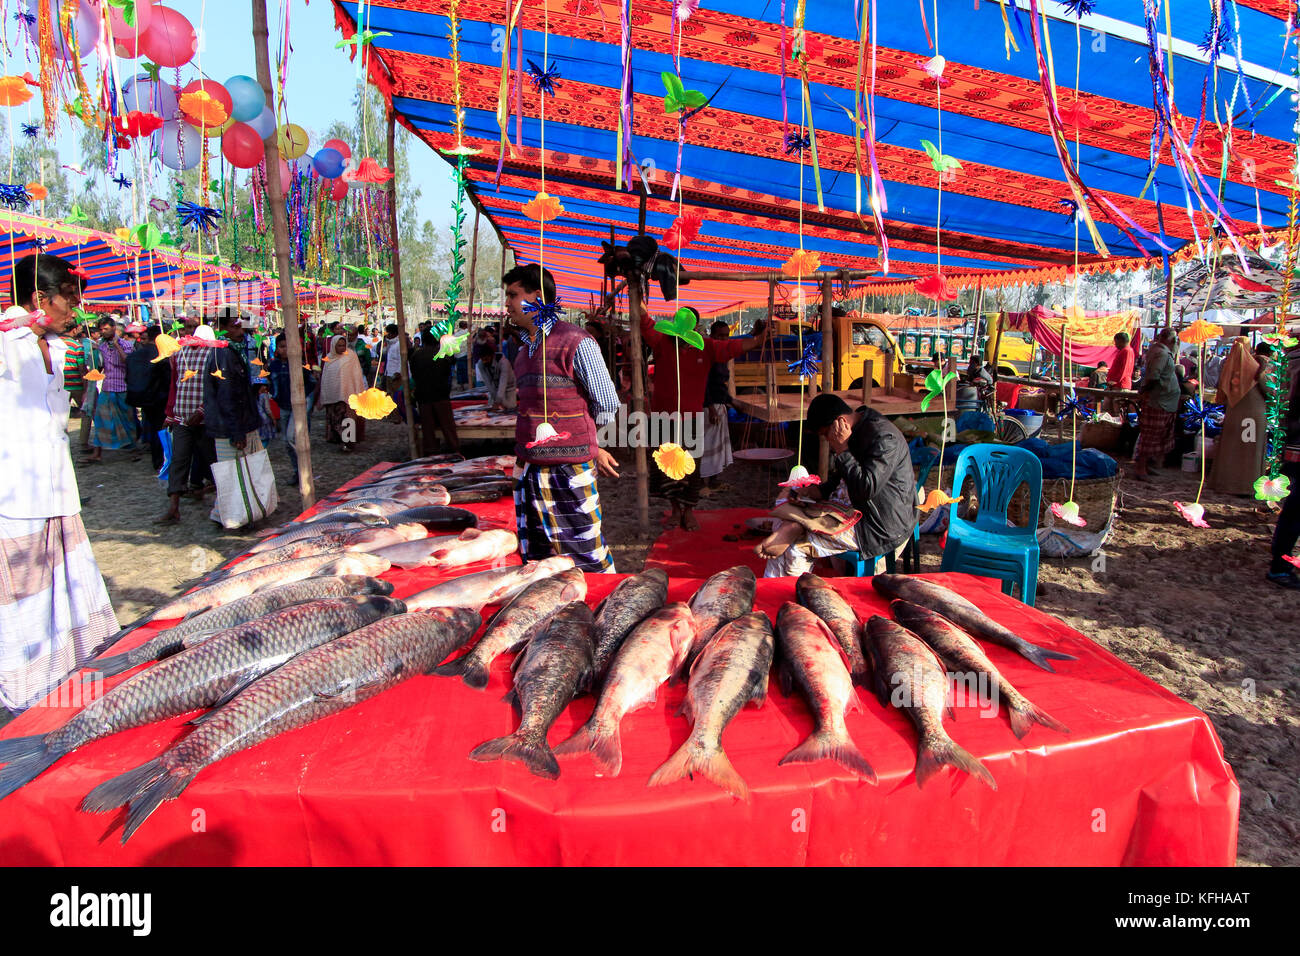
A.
pixel 830 377
pixel 473 266
pixel 638 402
pixel 284 266
pixel 402 350
pixel 1169 297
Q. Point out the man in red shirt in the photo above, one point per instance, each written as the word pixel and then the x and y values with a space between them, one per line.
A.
pixel 1121 370
pixel 670 356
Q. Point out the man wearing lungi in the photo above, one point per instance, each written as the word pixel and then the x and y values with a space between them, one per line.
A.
pixel 1160 396
pixel 557 505
pixel 54 608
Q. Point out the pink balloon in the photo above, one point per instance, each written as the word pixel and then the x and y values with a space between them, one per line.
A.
pixel 170 40
pixel 341 146
pixel 242 146
pixel 126 35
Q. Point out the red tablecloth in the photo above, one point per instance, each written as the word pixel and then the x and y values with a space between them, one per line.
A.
pixel 704 552
pixel 1141 780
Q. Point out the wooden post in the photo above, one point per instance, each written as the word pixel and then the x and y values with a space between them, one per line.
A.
pixel 830 355
pixel 284 266
pixel 402 350
pixel 868 368
pixel 950 389
pixel 638 402
pixel 770 390
pixel 1169 298
pixel 473 267
pixel 887 380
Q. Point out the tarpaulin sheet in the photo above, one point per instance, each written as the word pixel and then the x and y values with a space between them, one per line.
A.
pixel 1141 779
pixel 1091 340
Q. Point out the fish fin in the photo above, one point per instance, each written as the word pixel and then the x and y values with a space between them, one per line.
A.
pixel 1023 718
pixel 26 759
pixel 511 697
pixel 241 683
pixel 123 633
pixel 712 765
pixel 1041 655
pixel 579 742
pixel 939 749
pixel 759 697
pixel 451 668
pixel 536 756
pixel 111 666
pixel 121 790
pixel 607 749
pixel 168 787
pixel 826 745
pixel 784 679
pixel 20 748
pixel 854 702
pixel 473 673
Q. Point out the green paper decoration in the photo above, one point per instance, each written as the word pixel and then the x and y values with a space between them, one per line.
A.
pixel 147 235
pixel 128 10
pixel 367 273
pixel 451 345
pixel 935 382
pixel 678 98
pixel 938 160
pixel 681 326
pixel 364 38
pixel 457 253
pixel 76 215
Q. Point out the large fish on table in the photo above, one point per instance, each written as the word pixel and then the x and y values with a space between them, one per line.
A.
pixel 436 517
pixel 811 656
pixel 371 540
pixel 482 588
pixel 631 601
pixel 964 614
pixel 203 676
pixel 471 546
pixel 722 598
pixel 246 582
pixel 296 532
pixel 482 492
pixel 818 596
pixel 909 676
pixel 730 671
pixel 647 658
pixel 516 623
pixel 554 669
pixel 962 654
pixel 174 639
pixel 315 684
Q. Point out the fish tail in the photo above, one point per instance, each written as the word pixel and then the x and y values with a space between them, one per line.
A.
pixel 536 755
pixel 828 744
pixel 26 758
pixel 123 633
pixel 712 765
pixel 605 744
pixel 938 750
pixel 1041 655
pixel 1024 715
pixel 110 666
pixel 579 742
pixel 121 790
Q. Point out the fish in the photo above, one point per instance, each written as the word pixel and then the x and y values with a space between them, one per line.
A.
pixel 374 508
pixel 909 676
pixel 516 623
pixel 450 551
pixel 370 540
pixel 722 598
pixel 317 683
pixel 818 596
pixel 296 532
pixel 457 482
pixel 436 517
pixel 442 463
pixel 413 554
pixel 247 608
pixel 204 676
pixel 553 670
pixel 956 648
pixel 964 614
pixel 730 671
pixel 487 491
pixel 651 653
pixel 624 608
pixel 481 588
pixel 246 582
pixel 813 658
pixel 409 496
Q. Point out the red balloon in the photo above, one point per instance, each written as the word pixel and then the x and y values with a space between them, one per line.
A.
pixel 338 189
pixel 242 147
pixel 214 90
pixel 170 39
pixel 341 146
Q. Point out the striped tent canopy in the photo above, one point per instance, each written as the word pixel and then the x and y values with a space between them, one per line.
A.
pixel 119 273
pixel 1016 91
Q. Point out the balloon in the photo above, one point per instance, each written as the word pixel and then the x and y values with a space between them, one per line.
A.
pixel 86 26
pixel 127 35
pixel 248 96
pixel 214 90
pixel 264 123
pixel 328 162
pixel 170 40
pixel 289 172
pixel 341 146
pixel 180 145
pixel 148 96
pixel 338 189
pixel 292 140
pixel 242 146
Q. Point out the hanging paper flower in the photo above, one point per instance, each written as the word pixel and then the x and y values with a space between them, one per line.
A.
pixel 37 191
pixel 935 383
pixel 682 9
pixel 41 243
pixel 159 205
pixel 677 98
pixel 1194 513
pixel 674 461
pixel 368 171
pixel 14 196
pixel 802 42
pixel 806 366
pixel 1214 42
pixel 202 109
pixel 1195 415
pixel 367 272
pixel 1080 8
pixel 199 218
pixel 934 66
pixel 683 231
pixel 543 208
pixel 167 347
pixel 75 215
pixel 544 314
pixel 450 345
pixel 796 142
pixel 799 478
pixel 13 91
pixel 936 287
pixel 802 262
pixel 1072 206
pixel 543 80
pixel 939 161
pixel 1201 331
pixel 94 375
pixel 372 404
pixel 1075 407
pixel 546 435
pixel 682 327
pixel 1069 513
pixel 188 374
pixel 136 123
pixel 936 499
pixel 1076 116
pixel 122 181
pixel 217 374
pixel 1272 489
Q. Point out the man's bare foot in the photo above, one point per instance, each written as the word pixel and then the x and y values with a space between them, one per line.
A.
pixel 689 521
pixel 168 517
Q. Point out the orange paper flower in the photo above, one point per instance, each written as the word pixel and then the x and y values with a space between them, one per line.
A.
pixel 543 208
pixel 14 91
pixel 202 109
pixel 37 191
pixel 802 263
pixel 94 375
pixel 372 404
pixel 674 461
pixel 188 374
pixel 1200 332
pixel 217 374
pixel 936 499
pixel 167 347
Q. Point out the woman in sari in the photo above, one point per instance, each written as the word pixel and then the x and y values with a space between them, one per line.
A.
pixel 340 379
pixel 1239 460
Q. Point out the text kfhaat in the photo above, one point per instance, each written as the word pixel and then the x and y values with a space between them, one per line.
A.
pixel 75 909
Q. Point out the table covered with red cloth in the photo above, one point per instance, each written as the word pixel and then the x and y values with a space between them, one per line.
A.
pixel 1140 780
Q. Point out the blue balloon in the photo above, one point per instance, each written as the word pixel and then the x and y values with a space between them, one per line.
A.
pixel 264 122
pixel 248 98
pixel 180 145
pixel 328 162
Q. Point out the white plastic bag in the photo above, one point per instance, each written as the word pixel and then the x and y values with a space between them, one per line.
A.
pixel 245 489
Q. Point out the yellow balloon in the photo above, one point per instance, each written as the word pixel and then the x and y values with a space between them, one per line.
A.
pixel 292 140
pixel 211 131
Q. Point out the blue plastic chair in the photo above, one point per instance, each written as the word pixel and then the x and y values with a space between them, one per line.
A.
pixel 990 546
pixel 858 567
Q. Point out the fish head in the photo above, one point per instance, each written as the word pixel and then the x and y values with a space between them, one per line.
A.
pixel 362 584
pixel 553 565
pixel 656 576
pixel 911 615
pixel 410 531
pixel 358 562
pixel 573 585
pixel 682 628
pixel 888 585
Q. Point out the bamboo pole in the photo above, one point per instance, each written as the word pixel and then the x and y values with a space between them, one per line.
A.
pixel 830 376
pixel 402 350
pixel 473 266
pixel 638 404
pixel 284 266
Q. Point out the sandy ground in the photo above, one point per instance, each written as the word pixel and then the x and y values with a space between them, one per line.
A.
pixel 1189 608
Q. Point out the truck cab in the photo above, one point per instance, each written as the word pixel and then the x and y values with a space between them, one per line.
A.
pixel 863 339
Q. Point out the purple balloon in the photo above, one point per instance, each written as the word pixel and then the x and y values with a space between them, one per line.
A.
pixel 86 25
pixel 180 145
pixel 149 96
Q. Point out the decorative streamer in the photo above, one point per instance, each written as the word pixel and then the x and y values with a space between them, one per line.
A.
pixel 623 146
pixel 800 53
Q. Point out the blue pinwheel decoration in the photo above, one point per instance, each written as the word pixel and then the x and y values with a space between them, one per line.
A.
pixel 543 80
pixel 808 364
pixel 1073 208
pixel 1075 406
pixel 42 244
pixel 14 196
pixel 796 143
pixel 122 181
pixel 128 274
pixel 1215 41
pixel 31 130
pixel 199 218
pixel 544 314
pixel 1080 8
pixel 29 19
pixel 1195 414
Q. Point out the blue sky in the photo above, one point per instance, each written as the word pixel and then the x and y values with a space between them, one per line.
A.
pixel 320 78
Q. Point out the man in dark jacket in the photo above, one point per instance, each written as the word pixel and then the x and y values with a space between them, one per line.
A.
pixel 146 389
pixel 229 402
pixel 431 395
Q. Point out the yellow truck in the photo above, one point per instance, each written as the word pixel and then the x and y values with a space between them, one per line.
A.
pixel 865 338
